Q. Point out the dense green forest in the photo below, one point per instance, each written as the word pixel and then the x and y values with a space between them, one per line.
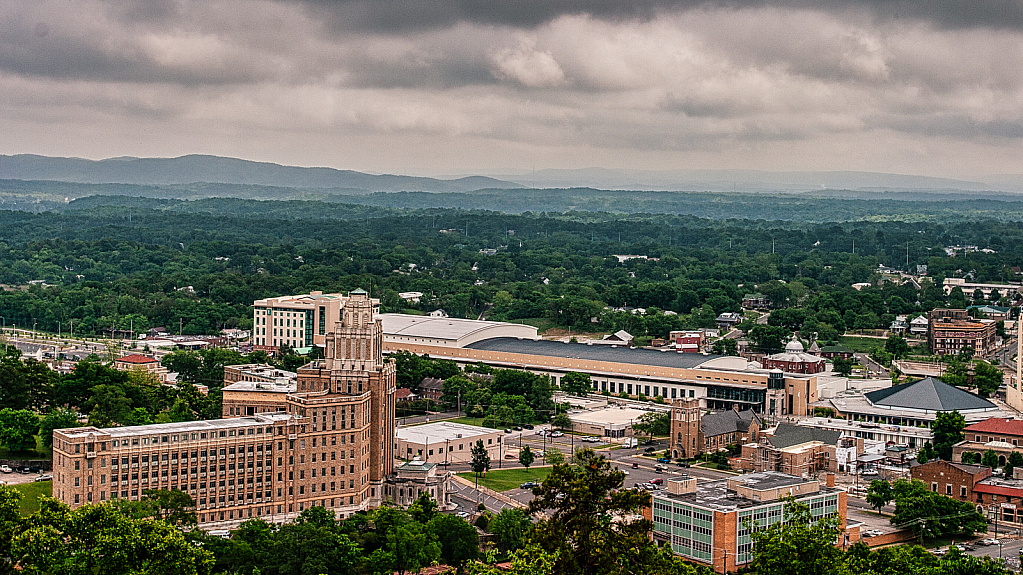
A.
pixel 120 261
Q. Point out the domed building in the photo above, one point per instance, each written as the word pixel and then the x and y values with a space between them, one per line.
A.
pixel 795 359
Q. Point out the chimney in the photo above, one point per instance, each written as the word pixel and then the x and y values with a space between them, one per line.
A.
pixel 829 479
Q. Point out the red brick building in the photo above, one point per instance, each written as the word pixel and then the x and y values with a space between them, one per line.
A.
pixel 795 360
pixel 956 480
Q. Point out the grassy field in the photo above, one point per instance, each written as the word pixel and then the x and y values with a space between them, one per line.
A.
pixel 30 495
pixel 505 479
pixel 860 344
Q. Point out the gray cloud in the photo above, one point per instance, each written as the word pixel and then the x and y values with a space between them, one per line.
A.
pixel 857 85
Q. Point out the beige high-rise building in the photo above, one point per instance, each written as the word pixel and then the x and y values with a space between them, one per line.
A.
pixel 328 440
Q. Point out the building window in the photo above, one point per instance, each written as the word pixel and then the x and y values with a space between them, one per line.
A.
pixel 934 487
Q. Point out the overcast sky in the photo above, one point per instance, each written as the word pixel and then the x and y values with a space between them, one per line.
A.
pixel 930 87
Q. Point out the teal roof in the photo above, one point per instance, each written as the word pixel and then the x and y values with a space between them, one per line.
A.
pixel 358 291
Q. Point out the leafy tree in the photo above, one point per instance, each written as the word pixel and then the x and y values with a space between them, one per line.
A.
pixel 879 494
pixel 933 514
pixel 108 406
pixel 581 501
pixel 987 378
pixel 424 508
pixel 98 539
pixel 971 457
pixel 18 428
pixel 412 546
pixel 509 528
pixel 897 346
pixel 58 418
pixel 653 423
pixel 480 460
pixel 575 383
pixel 456 390
pixel 948 431
pixel 562 421
pixel 843 366
pixel 725 346
pixel 173 506
pixel 554 456
pixel 459 541
pixel 1015 460
pixel 990 459
pixel 799 544
pixel 768 338
pixel 310 544
pixel 526 457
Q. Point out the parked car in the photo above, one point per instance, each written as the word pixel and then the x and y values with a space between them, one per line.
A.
pixel 46 477
pixel 635 466
pixel 517 428
pixel 6 469
pixel 664 459
pixel 873 533
pixel 649 450
pixel 870 471
pixel 683 464
pixel 507 430
pixel 462 514
pixel 557 434
pixel 529 485
pixel 527 426
pixel 989 542
pixel 657 481
pixel 443 463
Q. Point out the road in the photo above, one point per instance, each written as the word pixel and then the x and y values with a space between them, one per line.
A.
pixel 1004 355
pixel 872 365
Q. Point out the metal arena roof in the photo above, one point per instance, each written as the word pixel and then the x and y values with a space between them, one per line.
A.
pixel 594 352
pixel 930 394
pixel 398 325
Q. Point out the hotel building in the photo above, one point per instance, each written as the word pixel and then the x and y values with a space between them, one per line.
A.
pixel 327 440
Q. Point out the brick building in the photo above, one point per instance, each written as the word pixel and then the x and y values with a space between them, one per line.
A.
pixel 1001 435
pixel 693 432
pixel 687 341
pixel 795 360
pixel 707 522
pixel 801 450
pixel 328 440
pixel 956 480
pixel 137 361
pixel 950 330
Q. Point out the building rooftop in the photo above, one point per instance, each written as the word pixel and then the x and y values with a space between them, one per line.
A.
pixel 396 325
pixel 717 495
pixel 136 358
pixel 999 425
pixel 610 416
pixel 440 431
pixel 787 435
pixel 728 421
pixel 620 354
pixel 928 394
pixel 180 427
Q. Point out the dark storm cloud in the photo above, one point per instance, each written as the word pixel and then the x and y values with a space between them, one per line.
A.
pixel 395 15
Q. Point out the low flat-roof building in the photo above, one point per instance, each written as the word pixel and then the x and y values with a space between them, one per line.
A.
pixel 707 522
pixel 412 478
pixel 256 388
pixel 610 422
pixel 446 441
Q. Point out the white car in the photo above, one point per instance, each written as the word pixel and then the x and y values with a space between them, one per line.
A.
pixel 462 514
pixel 990 542
pixel 870 472
pixel 6 469
pixel 557 434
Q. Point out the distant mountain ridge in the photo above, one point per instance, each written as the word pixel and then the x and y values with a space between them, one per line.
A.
pixel 216 169
pixel 199 169
pixel 756 180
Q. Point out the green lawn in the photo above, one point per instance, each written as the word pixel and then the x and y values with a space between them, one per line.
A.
pixel 505 479
pixel 30 495
pixel 860 344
